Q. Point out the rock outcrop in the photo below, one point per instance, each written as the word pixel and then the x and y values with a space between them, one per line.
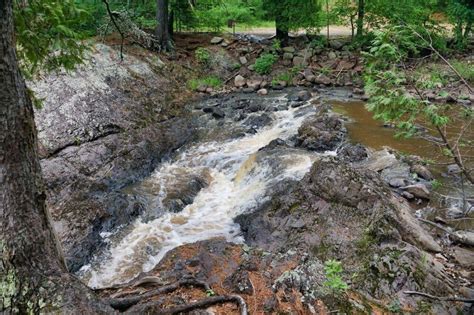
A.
pixel 101 129
pixel 338 212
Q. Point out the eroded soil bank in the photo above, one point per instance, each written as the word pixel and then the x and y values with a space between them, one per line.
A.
pixel 113 134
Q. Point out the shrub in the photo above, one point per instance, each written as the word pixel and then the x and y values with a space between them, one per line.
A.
pixel 465 69
pixel 334 282
pixel 203 55
pixel 211 81
pixel 264 63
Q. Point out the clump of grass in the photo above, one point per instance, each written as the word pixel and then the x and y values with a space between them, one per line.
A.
pixel 264 63
pixel 203 55
pixel 465 69
pixel 211 81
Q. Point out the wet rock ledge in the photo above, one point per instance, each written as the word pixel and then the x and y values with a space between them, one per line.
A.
pixel 101 128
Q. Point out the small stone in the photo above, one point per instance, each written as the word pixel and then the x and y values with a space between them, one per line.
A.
pixel 407 195
pixel 304 95
pixel 464 257
pixel 288 56
pixel 465 291
pixel 422 171
pixel 243 60
pixel 248 90
pixel 254 84
pixel 358 91
pixel 299 61
pixel 202 88
pixel 251 67
pixel 218 113
pixel 453 169
pixel 464 102
pixel 332 55
pixel 336 44
pixel 224 44
pixel 289 49
pixel 465 237
pixel 454 213
pixel 322 79
pixel 397 182
pixel 209 90
pixel 309 75
pixel 239 81
pixel 262 92
pixel 216 40
pixel 418 190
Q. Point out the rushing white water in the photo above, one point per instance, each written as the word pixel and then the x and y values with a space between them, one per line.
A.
pixel 239 175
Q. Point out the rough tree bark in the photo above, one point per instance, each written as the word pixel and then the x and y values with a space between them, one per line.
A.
pixel 162 29
pixel 33 276
pixel 360 18
pixel 281 23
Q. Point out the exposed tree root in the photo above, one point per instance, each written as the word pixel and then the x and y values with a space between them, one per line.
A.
pixel 439 298
pixel 129 303
pixel 207 302
pixel 123 304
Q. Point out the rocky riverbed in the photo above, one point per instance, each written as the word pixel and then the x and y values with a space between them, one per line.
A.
pixel 252 193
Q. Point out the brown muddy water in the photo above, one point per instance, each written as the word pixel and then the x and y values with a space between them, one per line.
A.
pixel 364 129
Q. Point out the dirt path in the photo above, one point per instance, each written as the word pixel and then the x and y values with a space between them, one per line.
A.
pixel 334 31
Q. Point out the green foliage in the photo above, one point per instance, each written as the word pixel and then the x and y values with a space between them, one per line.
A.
pixel 264 63
pixel 461 14
pixel 413 12
pixel 211 81
pixel 465 69
pixel 333 271
pixel 295 14
pixel 210 292
pixel 45 35
pixel 395 306
pixel 287 76
pixel 276 45
pixel 386 82
pixel 214 14
pixel 436 184
pixel 203 56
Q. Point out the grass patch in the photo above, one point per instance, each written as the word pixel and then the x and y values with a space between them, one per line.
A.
pixel 465 69
pixel 211 81
pixel 264 63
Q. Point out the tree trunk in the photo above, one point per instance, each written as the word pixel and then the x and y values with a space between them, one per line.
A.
pixel 33 276
pixel 360 18
pixel 162 30
pixel 171 24
pixel 281 23
pixel 352 27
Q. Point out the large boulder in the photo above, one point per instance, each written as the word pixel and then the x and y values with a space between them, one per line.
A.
pixel 321 132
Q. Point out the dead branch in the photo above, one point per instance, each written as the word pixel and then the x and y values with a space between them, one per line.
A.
pixel 128 29
pixel 439 298
pixel 153 308
pixel 112 18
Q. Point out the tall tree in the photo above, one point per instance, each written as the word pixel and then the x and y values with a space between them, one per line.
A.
pixel 360 18
pixel 162 29
pixel 33 275
pixel 292 15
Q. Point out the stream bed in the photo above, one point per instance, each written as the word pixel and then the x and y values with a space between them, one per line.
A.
pixel 228 172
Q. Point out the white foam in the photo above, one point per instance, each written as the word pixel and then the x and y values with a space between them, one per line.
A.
pixel 214 208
